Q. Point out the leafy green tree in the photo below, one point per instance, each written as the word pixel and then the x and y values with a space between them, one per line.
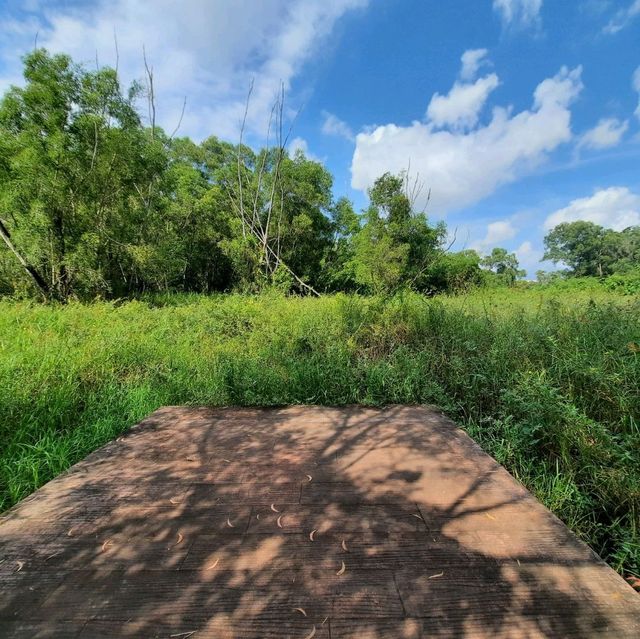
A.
pixel 395 247
pixel 456 272
pixel 78 174
pixel 580 245
pixel 504 264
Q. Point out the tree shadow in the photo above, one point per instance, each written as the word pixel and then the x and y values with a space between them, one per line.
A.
pixel 298 522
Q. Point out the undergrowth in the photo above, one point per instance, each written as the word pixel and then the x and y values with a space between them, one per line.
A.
pixel 548 385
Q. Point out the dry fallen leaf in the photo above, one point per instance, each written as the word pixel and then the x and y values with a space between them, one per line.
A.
pixel 106 544
pixel 312 533
pixel 301 611
pixel 273 507
pixel 436 575
pixel 341 571
pixel 311 634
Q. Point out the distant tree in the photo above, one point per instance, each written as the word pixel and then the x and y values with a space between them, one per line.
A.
pixel 580 245
pixel 456 271
pixel 337 268
pixel 547 277
pixel 395 246
pixel 504 264
pixel 591 250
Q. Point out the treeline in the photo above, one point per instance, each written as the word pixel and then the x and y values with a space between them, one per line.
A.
pixel 97 202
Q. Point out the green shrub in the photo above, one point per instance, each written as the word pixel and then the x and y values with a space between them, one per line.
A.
pixel 549 387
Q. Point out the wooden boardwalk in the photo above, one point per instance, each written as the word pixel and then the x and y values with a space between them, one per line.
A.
pixel 299 522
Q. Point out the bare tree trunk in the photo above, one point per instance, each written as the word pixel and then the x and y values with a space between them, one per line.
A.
pixel 37 278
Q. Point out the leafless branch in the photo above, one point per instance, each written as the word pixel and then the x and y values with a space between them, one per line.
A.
pixel 184 104
pixel 150 93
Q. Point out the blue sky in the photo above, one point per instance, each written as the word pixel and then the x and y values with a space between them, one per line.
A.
pixel 516 114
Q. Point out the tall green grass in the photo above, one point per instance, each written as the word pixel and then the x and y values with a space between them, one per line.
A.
pixel 549 386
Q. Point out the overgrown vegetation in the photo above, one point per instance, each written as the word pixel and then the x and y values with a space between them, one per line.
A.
pixel 97 205
pixel 550 389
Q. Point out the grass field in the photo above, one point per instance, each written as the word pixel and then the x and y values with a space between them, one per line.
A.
pixel 547 381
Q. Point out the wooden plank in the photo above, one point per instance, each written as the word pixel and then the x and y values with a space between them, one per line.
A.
pixel 299 522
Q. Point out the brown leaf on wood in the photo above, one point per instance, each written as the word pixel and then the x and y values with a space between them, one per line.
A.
pixel 106 544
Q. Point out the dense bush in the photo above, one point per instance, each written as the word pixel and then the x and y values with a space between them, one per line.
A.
pixel 549 388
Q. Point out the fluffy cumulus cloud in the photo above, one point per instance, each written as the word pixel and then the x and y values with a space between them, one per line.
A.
pixel 205 50
pixel 463 166
pixel 517 14
pixel 615 208
pixel 529 257
pixel 300 144
pixel 608 132
pixel 461 107
pixel 622 18
pixel 497 233
pixel 333 125
pixel 472 60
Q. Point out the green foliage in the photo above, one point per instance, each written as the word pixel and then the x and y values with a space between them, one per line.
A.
pixel 395 247
pixel 590 250
pixel 626 283
pixel 548 388
pixel 504 265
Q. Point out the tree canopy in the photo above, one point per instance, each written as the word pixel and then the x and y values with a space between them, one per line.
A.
pixel 588 249
pixel 96 202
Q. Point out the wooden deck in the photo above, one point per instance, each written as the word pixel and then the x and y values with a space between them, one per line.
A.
pixel 299 522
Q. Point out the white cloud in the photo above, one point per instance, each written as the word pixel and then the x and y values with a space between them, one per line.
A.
pixel 517 14
pixel 462 105
pixel 332 125
pixel 462 167
pixel 472 60
pixel 635 82
pixel 622 18
pixel 615 208
pixel 497 233
pixel 529 257
pixel 300 144
pixel 206 50
pixel 608 132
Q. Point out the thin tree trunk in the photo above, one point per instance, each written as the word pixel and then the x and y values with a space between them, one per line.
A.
pixel 37 278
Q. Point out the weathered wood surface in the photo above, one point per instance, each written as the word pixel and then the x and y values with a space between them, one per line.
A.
pixel 202 521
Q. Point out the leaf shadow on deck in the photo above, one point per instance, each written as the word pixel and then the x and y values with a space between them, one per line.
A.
pixel 300 522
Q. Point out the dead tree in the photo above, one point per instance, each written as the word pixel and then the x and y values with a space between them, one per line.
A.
pixel 263 222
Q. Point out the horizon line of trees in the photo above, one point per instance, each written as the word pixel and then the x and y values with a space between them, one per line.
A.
pixel 96 203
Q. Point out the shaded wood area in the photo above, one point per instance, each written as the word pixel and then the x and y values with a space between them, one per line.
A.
pixel 299 522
